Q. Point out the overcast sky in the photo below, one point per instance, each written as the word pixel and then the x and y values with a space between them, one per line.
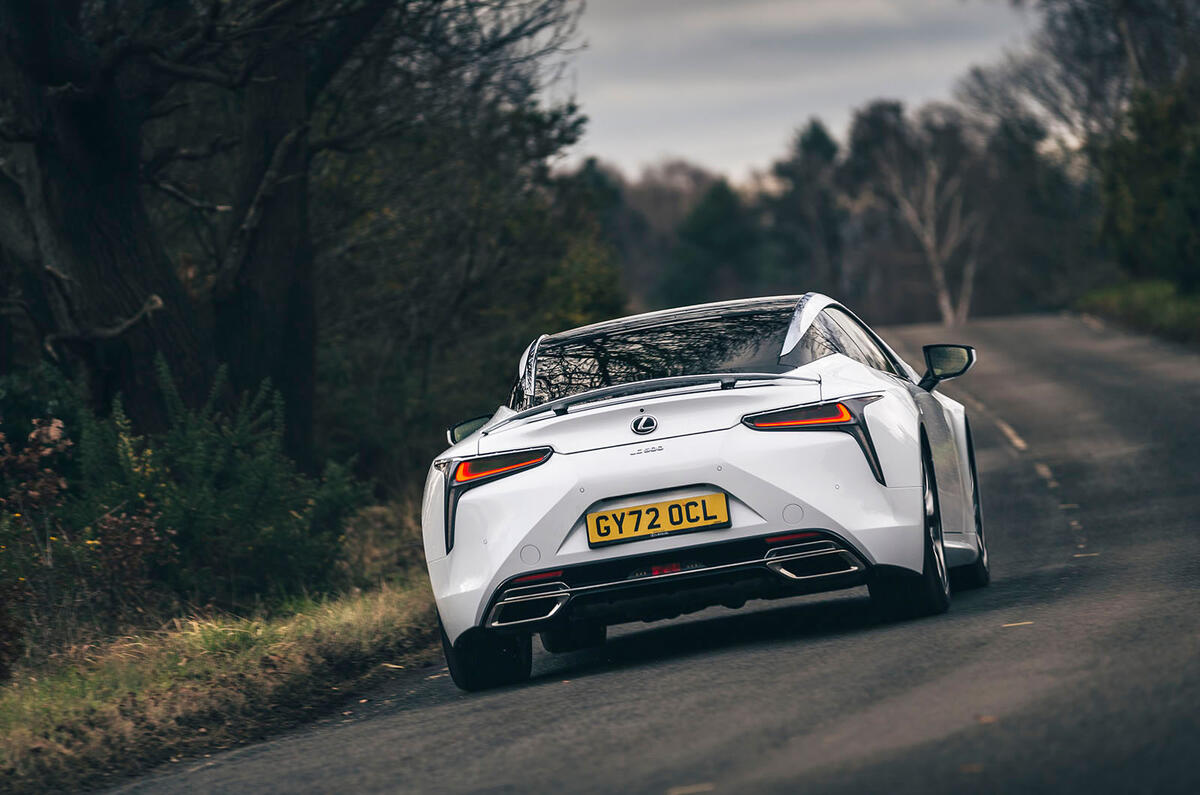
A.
pixel 726 83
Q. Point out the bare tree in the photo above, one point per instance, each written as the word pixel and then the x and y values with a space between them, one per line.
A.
pixel 923 175
pixel 1085 63
pixel 932 204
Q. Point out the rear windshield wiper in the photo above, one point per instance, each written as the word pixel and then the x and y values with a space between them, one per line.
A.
pixel 726 380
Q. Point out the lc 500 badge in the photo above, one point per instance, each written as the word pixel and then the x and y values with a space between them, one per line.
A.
pixel 653 449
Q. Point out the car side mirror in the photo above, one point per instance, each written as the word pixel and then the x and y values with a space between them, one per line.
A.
pixel 456 433
pixel 943 362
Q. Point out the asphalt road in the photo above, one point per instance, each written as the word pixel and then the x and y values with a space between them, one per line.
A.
pixel 1077 671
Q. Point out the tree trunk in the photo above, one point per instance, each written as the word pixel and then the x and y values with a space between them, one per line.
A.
pixel 109 297
pixel 112 297
pixel 966 291
pixel 937 274
pixel 264 312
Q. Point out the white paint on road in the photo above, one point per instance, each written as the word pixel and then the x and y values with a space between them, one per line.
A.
pixel 691 789
pixel 1045 473
pixel 1013 438
pixel 1009 432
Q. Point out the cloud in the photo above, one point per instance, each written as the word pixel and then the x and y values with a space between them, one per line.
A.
pixel 726 83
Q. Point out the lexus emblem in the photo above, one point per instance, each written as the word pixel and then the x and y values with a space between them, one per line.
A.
pixel 644 424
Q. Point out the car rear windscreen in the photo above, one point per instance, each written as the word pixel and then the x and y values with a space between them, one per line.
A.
pixel 749 342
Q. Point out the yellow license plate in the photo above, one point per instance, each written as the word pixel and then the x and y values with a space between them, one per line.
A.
pixel 657 518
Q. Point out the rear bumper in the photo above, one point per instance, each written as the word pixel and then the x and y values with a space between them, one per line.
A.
pixel 653 587
pixel 777 483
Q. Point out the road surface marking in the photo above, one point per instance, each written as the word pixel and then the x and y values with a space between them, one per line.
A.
pixel 1086 554
pixel 1013 437
pixel 691 789
pixel 1044 472
pixel 1066 506
pixel 1018 624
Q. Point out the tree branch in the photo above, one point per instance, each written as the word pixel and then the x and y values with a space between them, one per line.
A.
pixel 152 304
pixel 164 156
pixel 345 36
pixel 239 245
pixel 175 192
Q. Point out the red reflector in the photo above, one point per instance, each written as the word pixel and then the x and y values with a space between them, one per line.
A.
pixel 669 568
pixel 545 575
pixel 792 537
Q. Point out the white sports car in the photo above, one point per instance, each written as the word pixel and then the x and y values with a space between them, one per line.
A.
pixel 664 463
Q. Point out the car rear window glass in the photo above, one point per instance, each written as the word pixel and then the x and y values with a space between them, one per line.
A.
pixel 865 349
pixel 749 342
pixel 823 338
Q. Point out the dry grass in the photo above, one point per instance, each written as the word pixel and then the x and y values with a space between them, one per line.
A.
pixel 201 684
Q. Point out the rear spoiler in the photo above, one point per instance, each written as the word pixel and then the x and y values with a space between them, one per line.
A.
pixel 726 381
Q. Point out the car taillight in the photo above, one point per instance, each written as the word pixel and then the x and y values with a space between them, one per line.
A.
pixel 491 466
pixel 804 417
pixel 462 476
pixel 844 416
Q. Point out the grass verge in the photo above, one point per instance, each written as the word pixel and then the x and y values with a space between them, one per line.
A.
pixel 199 684
pixel 1156 307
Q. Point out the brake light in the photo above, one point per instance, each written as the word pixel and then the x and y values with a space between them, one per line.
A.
pixel 490 466
pixel 827 414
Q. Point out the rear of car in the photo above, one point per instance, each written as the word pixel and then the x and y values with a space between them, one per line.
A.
pixel 662 464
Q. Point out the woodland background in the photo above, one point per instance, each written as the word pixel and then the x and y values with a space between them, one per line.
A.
pixel 256 254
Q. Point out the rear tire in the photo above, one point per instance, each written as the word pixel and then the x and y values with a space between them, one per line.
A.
pixel 979 573
pixel 574 636
pixel 912 596
pixel 481 660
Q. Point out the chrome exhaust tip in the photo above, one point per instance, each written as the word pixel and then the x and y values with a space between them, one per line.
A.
pixel 809 561
pixel 528 605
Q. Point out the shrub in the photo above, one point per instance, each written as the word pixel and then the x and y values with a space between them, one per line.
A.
pixel 246 523
pixel 1154 306
pixel 209 512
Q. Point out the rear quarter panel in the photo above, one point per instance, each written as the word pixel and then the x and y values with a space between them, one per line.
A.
pixel 943 418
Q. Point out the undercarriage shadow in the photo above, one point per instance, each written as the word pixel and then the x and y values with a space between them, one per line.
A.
pixel 851 612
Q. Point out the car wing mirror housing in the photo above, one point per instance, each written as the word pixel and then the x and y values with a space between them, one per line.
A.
pixel 943 362
pixel 456 433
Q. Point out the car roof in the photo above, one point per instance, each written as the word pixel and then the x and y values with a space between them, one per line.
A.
pixel 804 308
pixel 782 303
